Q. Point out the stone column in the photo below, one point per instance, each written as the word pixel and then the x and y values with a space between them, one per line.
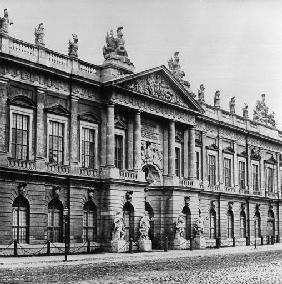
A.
pixel 204 159
pixel 130 145
pixel 262 187
pixel 220 172
pixel 192 154
pixel 186 153
pixel 74 131
pixel 40 134
pixel 235 166
pixel 278 177
pixel 4 130
pixel 110 135
pixel 249 170
pixel 171 149
pixel 137 141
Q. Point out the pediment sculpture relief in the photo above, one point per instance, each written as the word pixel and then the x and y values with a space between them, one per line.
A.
pixel 155 86
pixel 151 154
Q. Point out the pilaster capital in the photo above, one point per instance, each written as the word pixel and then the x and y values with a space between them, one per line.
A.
pixel 40 90
pixel 4 80
pixel 110 105
pixel 74 98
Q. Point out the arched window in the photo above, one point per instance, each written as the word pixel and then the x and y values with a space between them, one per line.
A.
pixel 89 221
pixel 270 223
pixel 128 217
pixel 212 224
pixel 20 219
pixel 187 219
pixel 258 224
pixel 230 224
pixel 150 210
pixel 242 224
pixel 55 220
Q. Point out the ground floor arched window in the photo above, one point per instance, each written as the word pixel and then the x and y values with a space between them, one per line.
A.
pixel 89 221
pixel 230 224
pixel 128 217
pixel 212 224
pixel 20 225
pixel 187 222
pixel 242 224
pixel 55 220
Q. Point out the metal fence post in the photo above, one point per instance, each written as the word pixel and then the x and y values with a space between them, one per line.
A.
pixel 234 242
pixel 88 246
pixel 130 245
pixel 48 248
pixel 15 248
pixel 166 244
pixel 191 243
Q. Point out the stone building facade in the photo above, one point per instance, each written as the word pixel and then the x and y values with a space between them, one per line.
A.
pixel 93 140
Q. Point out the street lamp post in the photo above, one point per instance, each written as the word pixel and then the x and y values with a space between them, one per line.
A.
pixel 255 221
pixel 66 217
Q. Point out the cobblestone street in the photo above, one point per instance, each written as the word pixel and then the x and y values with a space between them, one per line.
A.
pixel 244 267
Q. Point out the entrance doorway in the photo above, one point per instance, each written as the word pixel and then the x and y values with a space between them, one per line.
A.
pixel 151 233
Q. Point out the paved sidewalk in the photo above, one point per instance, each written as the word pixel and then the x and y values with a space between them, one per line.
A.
pixel 37 261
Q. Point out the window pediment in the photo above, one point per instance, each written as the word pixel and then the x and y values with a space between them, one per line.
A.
pixel 22 101
pixel 58 109
pixel 228 150
pixel 90 117
pixel 243 154
pixel 213 147
pixel 271 160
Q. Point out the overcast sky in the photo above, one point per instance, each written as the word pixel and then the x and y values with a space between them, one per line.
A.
pixel 234 45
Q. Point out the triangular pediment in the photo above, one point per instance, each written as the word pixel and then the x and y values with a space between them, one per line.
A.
pixel 90 117
pixel 58 109
pixel 159 84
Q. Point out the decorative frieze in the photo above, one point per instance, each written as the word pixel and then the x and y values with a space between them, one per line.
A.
pixel 153 108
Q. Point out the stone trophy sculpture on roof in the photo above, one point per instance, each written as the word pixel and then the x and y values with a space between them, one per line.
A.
pixel 114 50
pixel 175 68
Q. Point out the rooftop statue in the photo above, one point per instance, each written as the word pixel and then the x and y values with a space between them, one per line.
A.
pixel 261 113
pixel 5 23
pixel 175 69
pixel 39 35
pixel 232 105
pixel 201 94
pixel 217 99
pixel 73 46
pixel 114 48
pixel 246 111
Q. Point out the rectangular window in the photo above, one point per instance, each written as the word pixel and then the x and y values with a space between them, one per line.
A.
pixel 255 178
pixel 88 148
pixel 20 136
pixel 197 165
pixel 270 176
pixel 212 169
pixel 56 142
pixel 177 162
pixel 242 175
pixel 227 172
pixel 119 151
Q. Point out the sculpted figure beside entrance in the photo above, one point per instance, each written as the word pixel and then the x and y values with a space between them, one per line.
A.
pixel 119 228
pixel 144 226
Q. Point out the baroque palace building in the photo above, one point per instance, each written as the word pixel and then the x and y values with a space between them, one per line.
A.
pixel 97 140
